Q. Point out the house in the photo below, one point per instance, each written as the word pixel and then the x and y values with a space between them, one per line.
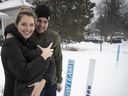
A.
pixel 10 8
pixel 3 16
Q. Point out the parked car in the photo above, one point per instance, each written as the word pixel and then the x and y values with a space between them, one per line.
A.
pixel 93 39
pixel 117 39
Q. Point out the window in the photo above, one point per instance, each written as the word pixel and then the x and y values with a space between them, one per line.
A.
pixel 0 24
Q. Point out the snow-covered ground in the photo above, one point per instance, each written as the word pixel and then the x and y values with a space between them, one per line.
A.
pixel 110 76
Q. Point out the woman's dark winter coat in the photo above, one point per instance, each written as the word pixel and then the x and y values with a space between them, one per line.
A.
pixel 22 64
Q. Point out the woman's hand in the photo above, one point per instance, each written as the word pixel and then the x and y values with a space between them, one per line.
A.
pixel 38 87
pixel 46 52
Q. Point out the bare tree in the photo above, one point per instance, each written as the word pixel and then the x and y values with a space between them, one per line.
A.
pixel 112 17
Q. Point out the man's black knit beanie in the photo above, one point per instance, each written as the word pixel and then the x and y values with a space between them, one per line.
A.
pixel 42 11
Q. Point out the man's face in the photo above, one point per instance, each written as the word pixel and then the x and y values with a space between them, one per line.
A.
pixel 42 24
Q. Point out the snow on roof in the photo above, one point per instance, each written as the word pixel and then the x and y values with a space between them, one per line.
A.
pixel 13 3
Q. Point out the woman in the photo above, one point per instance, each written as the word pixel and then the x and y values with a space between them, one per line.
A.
pixel 19 72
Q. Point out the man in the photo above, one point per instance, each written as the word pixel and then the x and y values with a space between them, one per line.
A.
pixel 46 36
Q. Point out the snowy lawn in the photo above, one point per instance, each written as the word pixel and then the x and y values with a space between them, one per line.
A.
pixel 110 76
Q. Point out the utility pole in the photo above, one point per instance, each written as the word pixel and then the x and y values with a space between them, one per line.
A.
pixel 101 24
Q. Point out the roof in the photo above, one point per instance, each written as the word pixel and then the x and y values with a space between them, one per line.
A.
pixel 13 3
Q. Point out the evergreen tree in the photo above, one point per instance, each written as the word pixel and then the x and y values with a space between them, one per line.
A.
pixel 1 1
pixel 69 17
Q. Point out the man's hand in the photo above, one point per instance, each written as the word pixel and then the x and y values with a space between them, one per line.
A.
pixel 59 87
pixel 38 87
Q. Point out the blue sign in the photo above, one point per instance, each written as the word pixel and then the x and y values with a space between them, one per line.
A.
pixel 69 78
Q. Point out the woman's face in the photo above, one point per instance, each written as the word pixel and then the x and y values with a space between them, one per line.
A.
pixel 26 26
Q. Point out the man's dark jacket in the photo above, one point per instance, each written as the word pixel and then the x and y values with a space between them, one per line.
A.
pixel 44 39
